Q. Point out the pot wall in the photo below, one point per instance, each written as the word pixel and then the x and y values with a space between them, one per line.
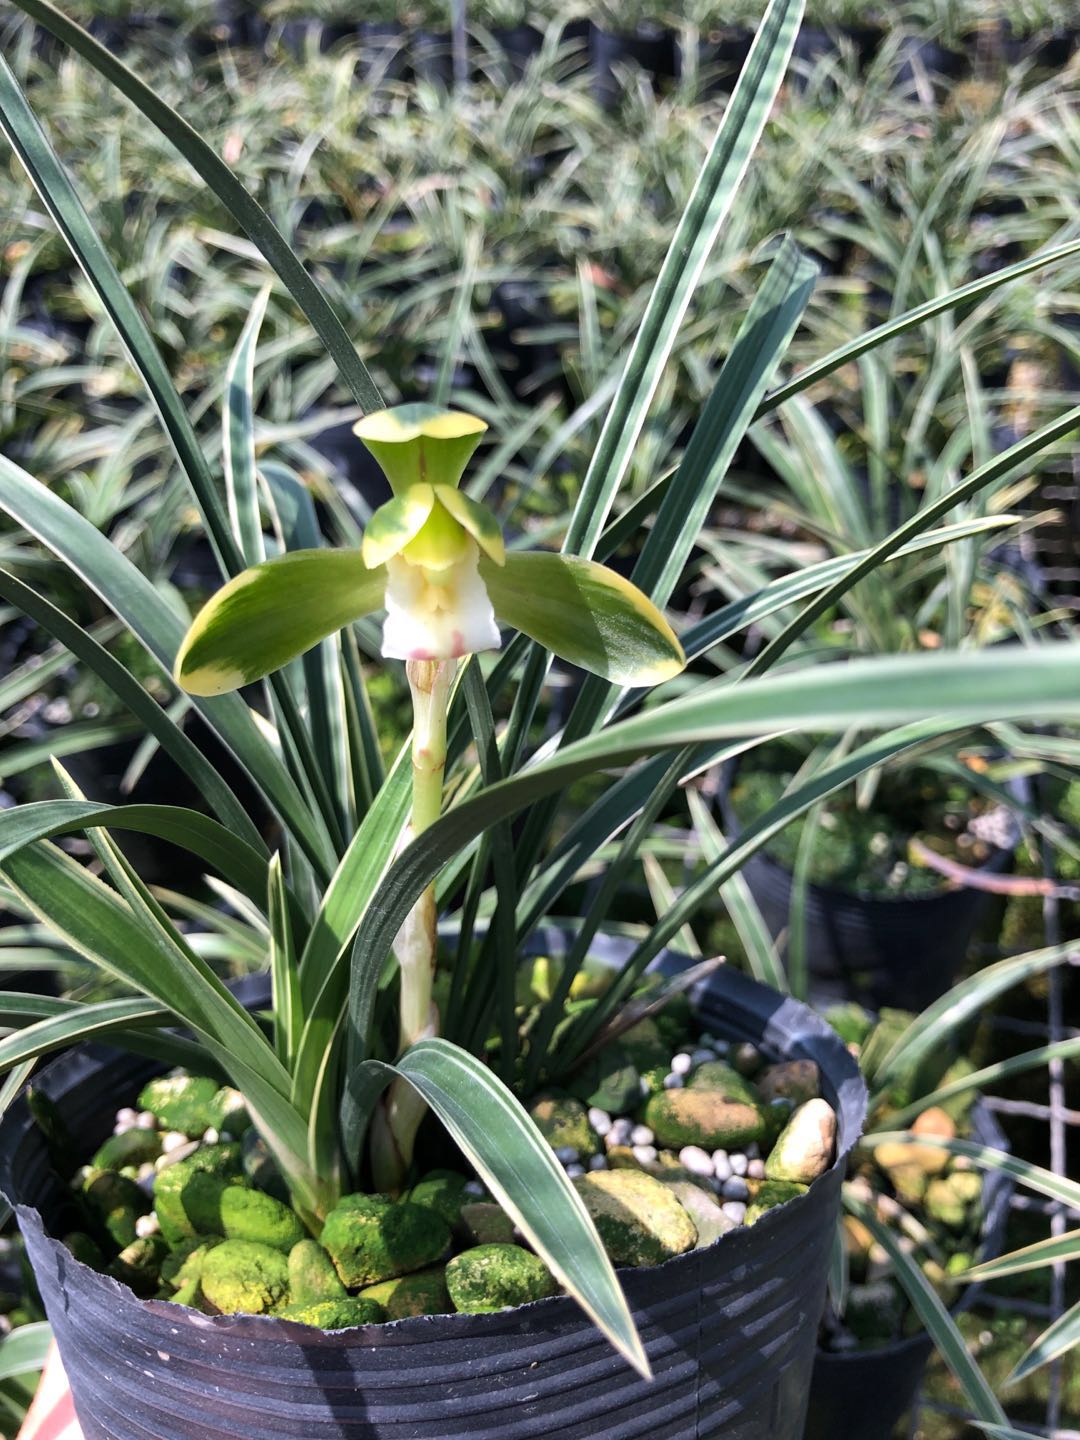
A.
pixel 730 1330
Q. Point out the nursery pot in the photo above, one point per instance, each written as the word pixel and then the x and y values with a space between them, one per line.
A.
pixel 862 1395
pixel 879 950
pixel 729 1330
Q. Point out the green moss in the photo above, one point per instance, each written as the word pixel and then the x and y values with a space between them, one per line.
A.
pixel 770 1194
pixel 251 1215
pixel 187 1205
pixel 339 1314
pixel 703 1117
pixel 441 1191
pixel 117 1202
pixel 492 1277
pixel 241 1277
pixel 182 1102
pixel 183 1265
pixel 131 1148
pixel 312 1277
pixel 564 1121
pixel 370 1238
pixel 422 1293
pixel 639 1219
pixel 723 1079
pixel 139 1264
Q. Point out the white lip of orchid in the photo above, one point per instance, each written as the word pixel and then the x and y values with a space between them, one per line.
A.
pixel 437 614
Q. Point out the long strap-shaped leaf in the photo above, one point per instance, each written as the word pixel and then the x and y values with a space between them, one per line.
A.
pixel 247 212
pixel 28 140
pixel 82 644
pixel 211 842
pixel 1032 1257
pixel 1056 1340
pixel 131 596
pixel 715 190
pixel 959 690
pixel 519 1167
pixel 986 1157
pixel 238 438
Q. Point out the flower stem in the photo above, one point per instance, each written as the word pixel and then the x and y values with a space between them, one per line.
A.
pixel 398 1118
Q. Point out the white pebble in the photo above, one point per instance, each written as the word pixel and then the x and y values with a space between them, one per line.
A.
pixel 756 1170
pixel 739 1164
pixel 641 1135
pixel 179 1152
pixel 721 1165
pixel 735 1189
pixel 735 1211
pixel 620 1131
pixel 600 1120
pixel 567 1154
pixel 210 1136
pixel 573 1171
pixel 753 1151
pixel 145 1171
pixel 126 1118
pixel 145 1120
pixel 472 1187
pixel 644 1087
pixel 146 1225
pixel 172 1140
pixel 702 1057
pixel 598 1162
pixel 682 1063
pixel 645 1154
pixel 696 1160
pixel 674 1082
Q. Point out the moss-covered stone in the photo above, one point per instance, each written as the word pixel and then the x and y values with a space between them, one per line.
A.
pixel 261 1168
pixel 252 1215
pixel 312 1277
pixel 804 1148
pixel 776 1114
pixel 117 1202
pixel 952 1200
pixel 644 1045
pixel 139 1264
pixel 564 1123
pixel 794 1080
pixel 441 1191
pixel 187 1205
pixel 873 1311
pixel 850 1021
pixel 85 1249
pixel 492 1277
pixel 422 1293
pixel 230 1112
pixel 130 1149
pixel 485 1223
pixel 723 1079
pixel 182 1102
pixel 338 1314
pixel 610 1081
pixel 370 1238
pixel 241 1277
pixel 637 1217
pixel 183 1265
pixel 703 1117
pixel 770 1194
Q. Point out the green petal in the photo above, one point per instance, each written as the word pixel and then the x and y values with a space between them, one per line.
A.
pixel 477 519
pixel 416 443
pixel 273 612
pixel 396 523
pixel 586 614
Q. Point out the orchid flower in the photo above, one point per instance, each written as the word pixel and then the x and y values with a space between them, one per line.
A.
pixel 434 559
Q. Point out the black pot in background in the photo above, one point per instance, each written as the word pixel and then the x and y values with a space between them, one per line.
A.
pixel 432 56
pixel 938 64
pixel 861 1396
pixel 518 43
pixel 650 46
pixel 382 49
pixel 719 58
pixel 900 951
pixel 729 1330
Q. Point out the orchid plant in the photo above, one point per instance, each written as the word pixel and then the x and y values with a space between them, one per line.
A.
pixel 337 876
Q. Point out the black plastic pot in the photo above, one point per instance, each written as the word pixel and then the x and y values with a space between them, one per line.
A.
pixel 862 1396
pixel 879 950
pixel 729 1330
pixel 519 44
pixel 652 47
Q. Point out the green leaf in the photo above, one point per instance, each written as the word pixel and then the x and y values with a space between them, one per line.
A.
pixel 273 612
pixel 81 643
pixel 586 614
pixel 1056 1340
pixel 940 1325
pixel 238 438
pixel 396 523
pixel 518 1166
pixel 25 1349
pixel 285 979
pixel 236 861
pixel 941 1020
pixel 989 1075
pixel 131 596
pixel 1052 1251
pixel 223 182
pixel 713 194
